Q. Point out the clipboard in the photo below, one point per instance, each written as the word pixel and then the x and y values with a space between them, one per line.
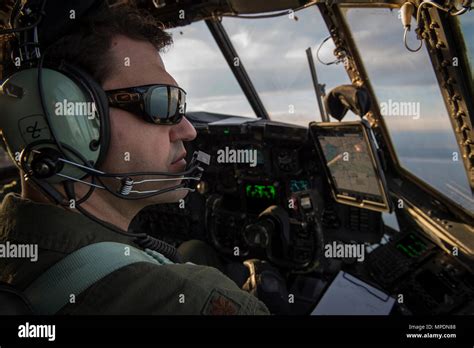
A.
pixel 348 295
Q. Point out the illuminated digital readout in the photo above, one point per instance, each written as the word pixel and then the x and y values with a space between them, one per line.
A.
pixel 412 246
pixel 260 191
pixel 299 185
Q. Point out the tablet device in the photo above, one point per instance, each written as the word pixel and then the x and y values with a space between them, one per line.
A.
pixel 350 159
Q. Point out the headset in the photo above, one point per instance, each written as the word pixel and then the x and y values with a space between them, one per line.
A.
pixel 67 149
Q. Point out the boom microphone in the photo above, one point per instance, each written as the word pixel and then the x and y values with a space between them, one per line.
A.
pixel 190 176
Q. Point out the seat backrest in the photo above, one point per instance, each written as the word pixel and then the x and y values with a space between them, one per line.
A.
pixel 13 302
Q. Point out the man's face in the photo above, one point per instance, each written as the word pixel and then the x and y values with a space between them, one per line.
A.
pixel 136 145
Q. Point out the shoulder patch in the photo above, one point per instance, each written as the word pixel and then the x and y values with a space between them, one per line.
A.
pixel 220 304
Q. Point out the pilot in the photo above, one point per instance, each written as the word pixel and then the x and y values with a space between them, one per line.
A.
pixel 119 48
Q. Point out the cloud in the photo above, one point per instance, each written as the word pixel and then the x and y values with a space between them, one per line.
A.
pixel 235 105
pixel 182 56
pixel 241 39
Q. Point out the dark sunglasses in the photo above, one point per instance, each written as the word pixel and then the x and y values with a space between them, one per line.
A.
pixel 158 104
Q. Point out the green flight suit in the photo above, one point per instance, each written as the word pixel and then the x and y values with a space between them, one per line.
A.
pixel 140 288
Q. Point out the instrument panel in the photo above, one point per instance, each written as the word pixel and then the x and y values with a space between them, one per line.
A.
pixel 264 195
pixel 257 165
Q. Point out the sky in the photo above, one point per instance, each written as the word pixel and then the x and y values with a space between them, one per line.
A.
pixel 273 53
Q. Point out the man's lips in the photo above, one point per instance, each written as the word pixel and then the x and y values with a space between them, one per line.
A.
pixel 179 158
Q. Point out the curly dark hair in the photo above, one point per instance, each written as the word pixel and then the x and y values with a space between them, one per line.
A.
pixel 88 45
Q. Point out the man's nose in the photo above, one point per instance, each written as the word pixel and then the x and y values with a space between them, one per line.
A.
pixel 183 131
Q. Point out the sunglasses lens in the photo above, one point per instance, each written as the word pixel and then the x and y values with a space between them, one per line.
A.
pixel 167 105
pixel 158 107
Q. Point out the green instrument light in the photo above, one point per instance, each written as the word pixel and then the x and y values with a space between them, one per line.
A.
pixel 405 250
pixel 412 246
pixel 226 131
pixel 260 191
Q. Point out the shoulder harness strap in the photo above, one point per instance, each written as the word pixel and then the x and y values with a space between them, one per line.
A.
pixel 81 269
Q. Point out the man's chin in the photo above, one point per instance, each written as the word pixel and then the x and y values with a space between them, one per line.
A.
pixel 169 197
pixel 179 195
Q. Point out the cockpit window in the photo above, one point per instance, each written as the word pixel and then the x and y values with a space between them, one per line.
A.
pixel 199 67
pixel 410 101
pixel 467 27
pixel 273 51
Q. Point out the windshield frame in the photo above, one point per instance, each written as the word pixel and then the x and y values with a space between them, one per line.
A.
pixel 452 37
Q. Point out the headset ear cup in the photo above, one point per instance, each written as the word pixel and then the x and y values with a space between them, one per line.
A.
pixel 101 102
pixel 46 163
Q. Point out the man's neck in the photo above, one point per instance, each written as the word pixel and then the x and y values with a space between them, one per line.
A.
pixel 110 209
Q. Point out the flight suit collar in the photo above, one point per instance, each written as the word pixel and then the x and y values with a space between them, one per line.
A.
pixel 50 227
